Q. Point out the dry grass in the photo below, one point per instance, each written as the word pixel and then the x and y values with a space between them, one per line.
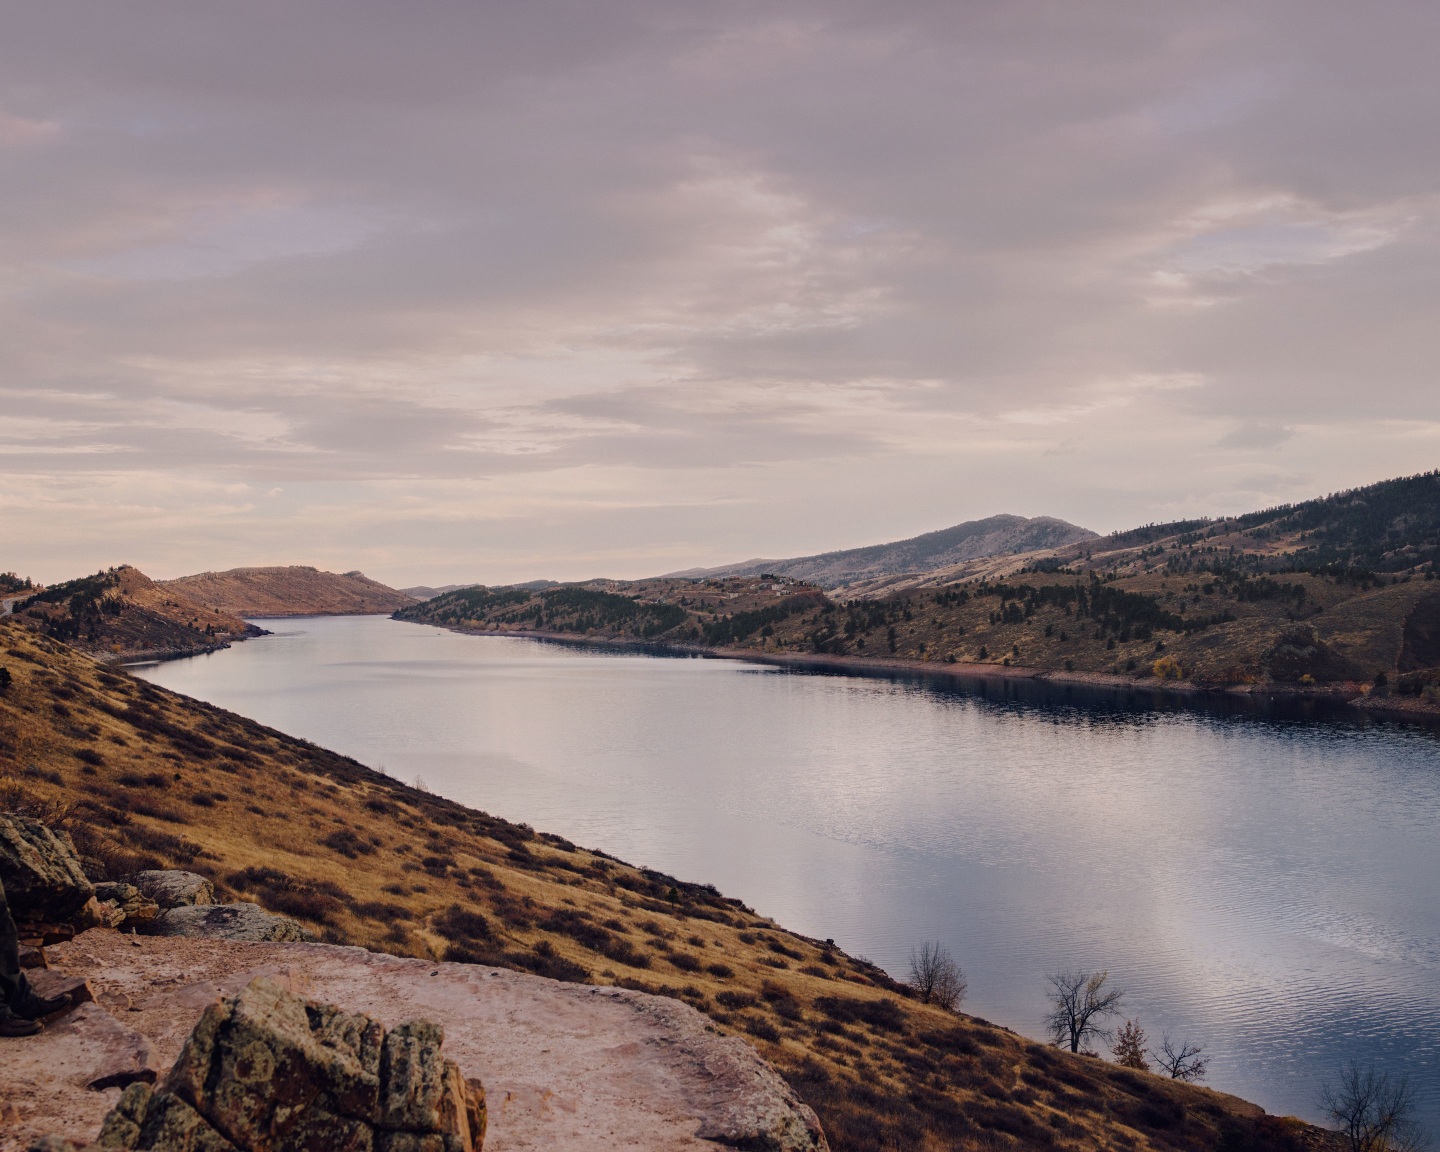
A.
pixel 292 591
pixel 145 778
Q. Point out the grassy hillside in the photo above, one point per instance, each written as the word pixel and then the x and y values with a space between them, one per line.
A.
pixel 290 591
pixel 145 778
pixel 121 613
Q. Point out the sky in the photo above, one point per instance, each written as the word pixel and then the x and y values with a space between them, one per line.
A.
pixel 493 291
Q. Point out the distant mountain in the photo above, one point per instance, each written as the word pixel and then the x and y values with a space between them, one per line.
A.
pixel 425 592
pixel 292 591
pixel 994 536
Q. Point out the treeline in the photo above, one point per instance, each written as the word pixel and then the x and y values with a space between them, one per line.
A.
pixel 732 629
pixel 562 609
pixel 1125 615
pixel 86 601
pixel 1386 527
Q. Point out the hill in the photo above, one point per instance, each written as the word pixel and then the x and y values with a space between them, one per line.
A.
pixel 994 536
pixel 1336 596
pixel 122 614
pixel 143 778
pixel 291 591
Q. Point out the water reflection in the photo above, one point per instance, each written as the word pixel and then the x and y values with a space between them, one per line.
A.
pixel 1264 884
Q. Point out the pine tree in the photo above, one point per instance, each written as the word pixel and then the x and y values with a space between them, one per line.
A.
pixel 1129 1050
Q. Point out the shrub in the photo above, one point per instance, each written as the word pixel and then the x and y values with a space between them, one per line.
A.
pixel 381 910
pixel 684 961
pixel 1167 668
pixel 349 845
pixel 721 971
pixel 457 923
pixel 884 1015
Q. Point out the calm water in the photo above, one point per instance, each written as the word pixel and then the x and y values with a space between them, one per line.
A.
pixel 1268 889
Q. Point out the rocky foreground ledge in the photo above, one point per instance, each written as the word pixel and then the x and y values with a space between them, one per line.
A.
pixel 564 1065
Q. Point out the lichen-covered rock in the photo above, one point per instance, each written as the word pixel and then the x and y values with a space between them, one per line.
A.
pixel 266 1071
pixel 133 907
pixel 172 888
pixel 239 921
pixel 422 1092
pixel 43 880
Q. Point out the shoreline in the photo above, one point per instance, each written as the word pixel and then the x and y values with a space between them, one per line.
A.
pixel 1341 697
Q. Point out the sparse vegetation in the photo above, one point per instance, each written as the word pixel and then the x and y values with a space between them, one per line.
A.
pixel 1182 1061
pixel 1373 1111
pixel 1129 1049
pixel 935 976
pixel 1079 1003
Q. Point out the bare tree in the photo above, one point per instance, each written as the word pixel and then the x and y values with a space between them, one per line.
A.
pixel 1129 1050
pixel 1182 1063
pixel 935 975
pixel 1373 1111
pixel 1078 1002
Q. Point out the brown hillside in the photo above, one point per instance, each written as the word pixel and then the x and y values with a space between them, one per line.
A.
pixel 1197 619
pixel 121 614
pixel 292 591
pixel 144 778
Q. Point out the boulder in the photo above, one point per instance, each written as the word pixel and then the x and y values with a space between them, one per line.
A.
pixel 240 921
pixel 172 888
pixel 265 1071
pixel 132 905
pixel 100 914
pixel 43 880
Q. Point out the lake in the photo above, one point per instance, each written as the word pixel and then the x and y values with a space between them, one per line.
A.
pixel 1269 888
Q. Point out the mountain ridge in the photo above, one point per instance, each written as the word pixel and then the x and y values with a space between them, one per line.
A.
pixel 972 540
pixel 290 590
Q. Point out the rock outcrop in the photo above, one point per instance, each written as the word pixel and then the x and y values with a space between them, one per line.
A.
pixel 239 921
pixel 565 1066
pixel 43 880
pixel 124 905
pixel 174 889
pixel 266 1071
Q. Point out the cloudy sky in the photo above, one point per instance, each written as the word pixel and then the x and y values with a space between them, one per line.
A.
pixel 489 291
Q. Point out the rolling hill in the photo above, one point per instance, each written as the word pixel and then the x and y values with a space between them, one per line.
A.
pixel 1334 596
pixel 121 614
pixel 289 591
pixel 994 536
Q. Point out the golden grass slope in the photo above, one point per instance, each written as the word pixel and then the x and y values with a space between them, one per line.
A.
pixel 143 777
pixel 289 591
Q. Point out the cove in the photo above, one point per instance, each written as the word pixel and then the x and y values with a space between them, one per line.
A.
pixel 1267 885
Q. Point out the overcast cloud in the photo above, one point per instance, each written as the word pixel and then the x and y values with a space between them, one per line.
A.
pixel 459 291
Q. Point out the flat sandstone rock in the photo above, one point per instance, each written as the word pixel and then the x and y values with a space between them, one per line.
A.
pixel 564 1065
pixel 241 921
